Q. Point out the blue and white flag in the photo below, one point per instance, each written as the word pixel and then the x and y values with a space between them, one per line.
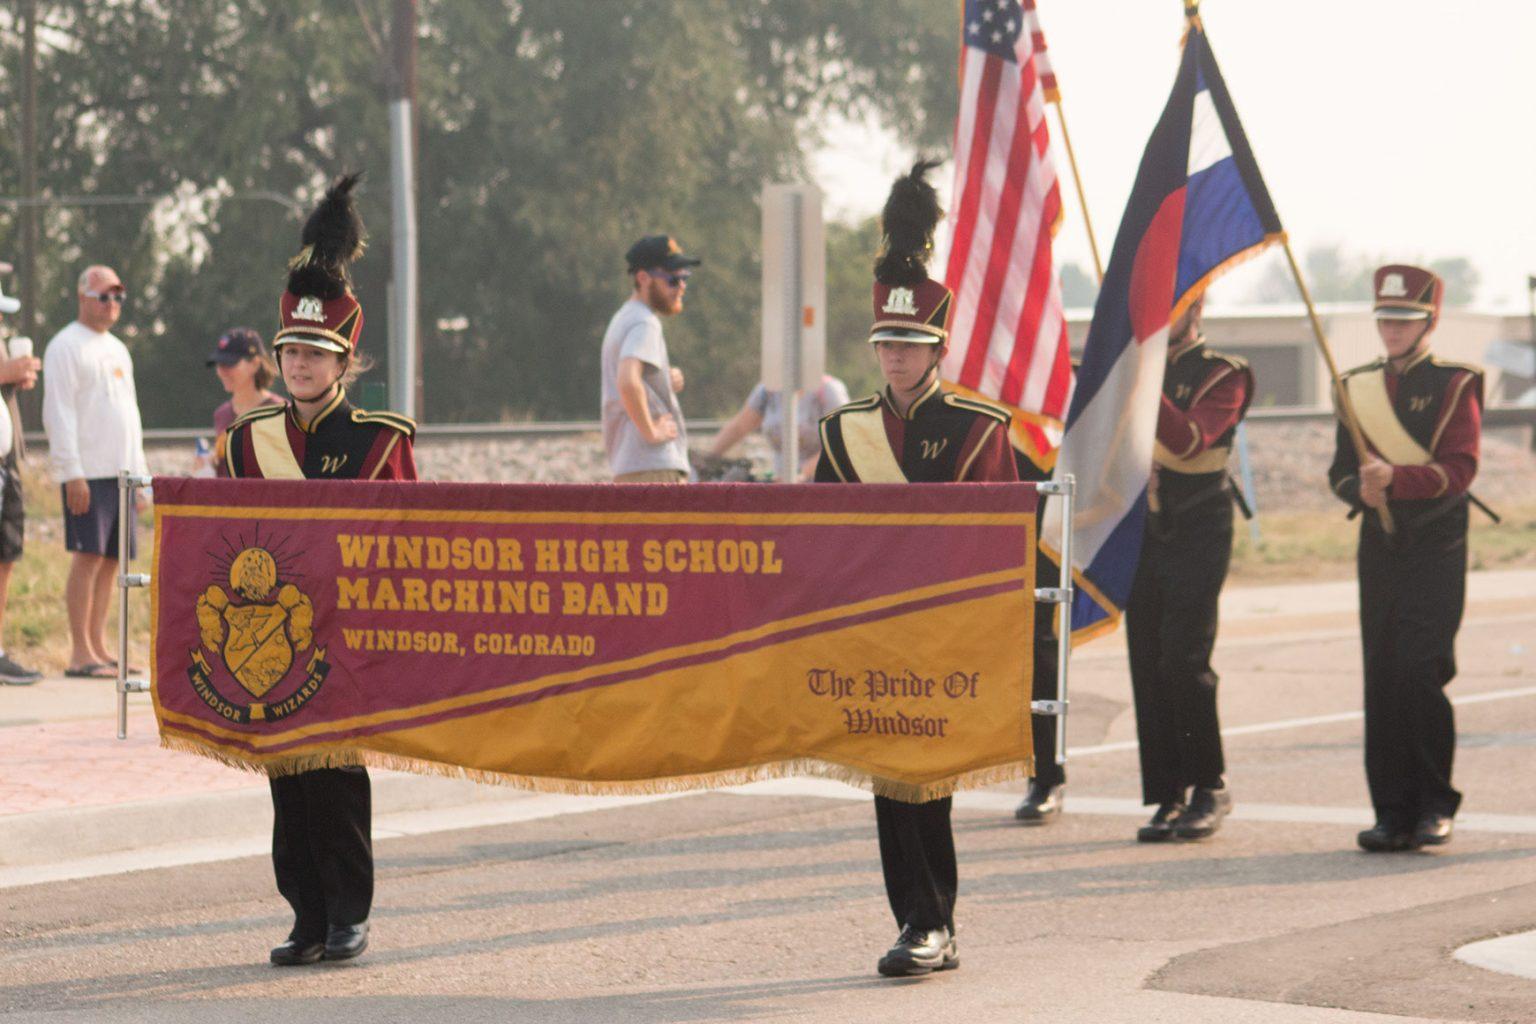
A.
pixel 1199 205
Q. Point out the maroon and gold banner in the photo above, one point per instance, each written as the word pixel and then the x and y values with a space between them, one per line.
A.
pixel 599 638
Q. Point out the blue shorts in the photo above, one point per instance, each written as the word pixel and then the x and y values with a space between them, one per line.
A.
pixel 95 533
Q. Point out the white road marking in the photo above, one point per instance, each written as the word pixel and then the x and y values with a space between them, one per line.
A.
pixel 1508 954
pixel 1282 724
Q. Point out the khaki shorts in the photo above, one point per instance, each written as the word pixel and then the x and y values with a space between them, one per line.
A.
pixel 653 476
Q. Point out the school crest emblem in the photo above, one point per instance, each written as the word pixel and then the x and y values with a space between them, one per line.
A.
pixel 254 632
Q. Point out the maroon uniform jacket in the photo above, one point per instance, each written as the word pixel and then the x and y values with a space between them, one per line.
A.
pixel 1439 405
pixel 1205 395
pixel 340 443
pixel 942 438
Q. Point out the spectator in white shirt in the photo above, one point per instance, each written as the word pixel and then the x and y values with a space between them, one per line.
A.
pixel 91 414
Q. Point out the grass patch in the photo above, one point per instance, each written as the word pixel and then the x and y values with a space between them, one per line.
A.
pixel 1299 546
pixel 36 626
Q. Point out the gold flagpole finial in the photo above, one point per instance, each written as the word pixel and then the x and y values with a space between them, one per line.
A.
pixel 1191 8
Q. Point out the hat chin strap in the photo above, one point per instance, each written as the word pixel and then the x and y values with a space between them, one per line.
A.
pixel 323 396
pixel 1416 347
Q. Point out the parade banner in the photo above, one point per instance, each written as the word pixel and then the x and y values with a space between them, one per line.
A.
pixel 599 639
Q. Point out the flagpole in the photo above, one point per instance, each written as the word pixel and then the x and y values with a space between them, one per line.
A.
pixel 1346 407
pixel 1082 197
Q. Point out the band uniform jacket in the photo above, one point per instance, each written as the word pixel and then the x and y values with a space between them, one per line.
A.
pixel 1205 396
pixel 942 438
pixel 340 443
pixel 1426 421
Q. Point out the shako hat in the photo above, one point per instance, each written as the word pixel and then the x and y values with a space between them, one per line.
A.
pixel 1405 292
pixel 908 304
pixel 318 307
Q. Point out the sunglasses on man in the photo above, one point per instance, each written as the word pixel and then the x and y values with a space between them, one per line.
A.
pixel 672 279
pixel 118 297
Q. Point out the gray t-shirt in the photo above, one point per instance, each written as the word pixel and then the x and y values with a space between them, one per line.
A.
pixel 635 333
pixel 812 405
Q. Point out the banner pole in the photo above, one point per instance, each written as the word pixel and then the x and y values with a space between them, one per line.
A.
pixel 1064 613
pixel 1346 407
pixel 126 483
pixel 1082 197
pixel 124 505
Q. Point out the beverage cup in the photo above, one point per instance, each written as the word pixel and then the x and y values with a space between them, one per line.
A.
pixel 20 346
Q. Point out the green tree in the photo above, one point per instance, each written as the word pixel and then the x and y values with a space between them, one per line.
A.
pixel 552 135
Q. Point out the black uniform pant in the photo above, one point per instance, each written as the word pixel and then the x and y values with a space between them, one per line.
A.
pixel 1170 632
pixel 322 850
pixel 1047 771
pixel 917 854
pixel 1411 601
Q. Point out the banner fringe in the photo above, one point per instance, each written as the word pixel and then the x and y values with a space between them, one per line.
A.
pixel 906 792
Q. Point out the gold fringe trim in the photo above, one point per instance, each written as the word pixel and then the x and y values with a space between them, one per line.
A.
pixel 348 757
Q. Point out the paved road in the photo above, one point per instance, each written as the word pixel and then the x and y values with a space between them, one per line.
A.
pixel 764 903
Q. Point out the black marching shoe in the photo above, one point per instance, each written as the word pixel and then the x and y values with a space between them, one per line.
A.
pixel 343 942
pixel 919 952
pixel 1383 838
pixel 1207 807
pixel 1433 830
pixel 1041 806
pixel 294 952
pixel 1160 828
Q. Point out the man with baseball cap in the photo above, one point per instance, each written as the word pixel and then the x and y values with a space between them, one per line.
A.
pixel 18 369
pixel 643 430
pixel 913 431
pixel 1422 420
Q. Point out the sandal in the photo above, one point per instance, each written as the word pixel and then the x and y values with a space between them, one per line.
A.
pixel 133 670
pixel 91 672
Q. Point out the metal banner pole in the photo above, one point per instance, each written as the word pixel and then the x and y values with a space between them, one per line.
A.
pixel 1064 613
pixel 126 484
pixel 1061 596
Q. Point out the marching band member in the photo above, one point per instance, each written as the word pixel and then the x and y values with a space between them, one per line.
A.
pixel 322 851
pixel 912 431
pixel 1171 615
pixel 1422 420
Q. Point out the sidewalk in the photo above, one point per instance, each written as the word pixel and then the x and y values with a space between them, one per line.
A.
pixel 72 791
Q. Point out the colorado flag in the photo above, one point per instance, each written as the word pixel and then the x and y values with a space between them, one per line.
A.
pixel 1198 206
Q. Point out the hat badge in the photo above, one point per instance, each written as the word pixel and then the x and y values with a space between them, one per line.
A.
pixel 309 308
pixel 1392 287
pixel 901 301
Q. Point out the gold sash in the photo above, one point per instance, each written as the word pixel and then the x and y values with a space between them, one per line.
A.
pixel 1373 409
pixel 1211 460
pixel 869 451
pixel 274 455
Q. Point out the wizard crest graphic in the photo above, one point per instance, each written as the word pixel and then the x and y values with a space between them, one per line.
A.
pixel 255 630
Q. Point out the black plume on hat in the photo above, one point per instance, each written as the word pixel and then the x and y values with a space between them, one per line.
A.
pixel 908 221
pixel 333 237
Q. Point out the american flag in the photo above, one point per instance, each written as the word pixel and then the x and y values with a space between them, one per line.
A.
pixel 1008 340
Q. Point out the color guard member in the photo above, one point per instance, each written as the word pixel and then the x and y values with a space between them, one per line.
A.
pixel 1422 421
pixel 1171 614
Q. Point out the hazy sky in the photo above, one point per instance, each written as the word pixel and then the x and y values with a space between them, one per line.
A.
pixel 1403 128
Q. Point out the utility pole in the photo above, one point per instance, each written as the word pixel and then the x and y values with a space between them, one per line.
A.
pixel 404 352
pixel 30 402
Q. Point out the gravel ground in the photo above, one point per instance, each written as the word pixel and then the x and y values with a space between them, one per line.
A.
pixel 1290 463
